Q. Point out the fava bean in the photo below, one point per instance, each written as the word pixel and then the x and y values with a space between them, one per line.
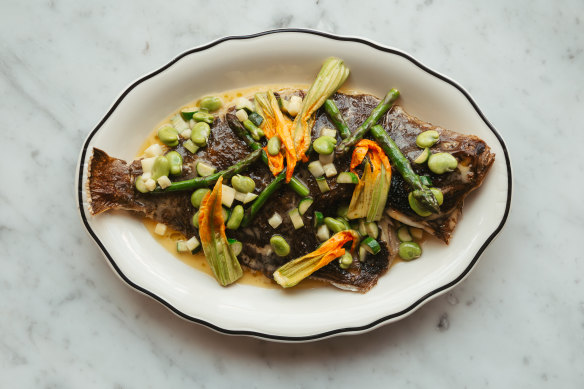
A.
pixel 334 225
pixel 140 185
pixel 324 145
pixel 417 207
pixel 211 103
pixel 274 145
pixel 345 261
pixel 176 162
pixel 427 138
pixel 200 134
pixel 440 163
pixel 280 246
pixel 198 196
pixel 235 218
pixel 409 250
pixel 160 168
pixel 168 135
pixel 242 184
pixel 203 116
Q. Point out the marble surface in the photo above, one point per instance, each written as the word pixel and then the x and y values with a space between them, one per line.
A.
pixel 68 322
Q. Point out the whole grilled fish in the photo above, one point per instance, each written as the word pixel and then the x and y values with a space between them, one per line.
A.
pixel 110 186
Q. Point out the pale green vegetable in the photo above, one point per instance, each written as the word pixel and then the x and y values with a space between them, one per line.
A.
pixel 280 246
pixel 168 135
pixel 441 163
pixel 427 138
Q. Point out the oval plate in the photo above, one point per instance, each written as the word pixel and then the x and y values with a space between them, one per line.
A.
pixel 285 56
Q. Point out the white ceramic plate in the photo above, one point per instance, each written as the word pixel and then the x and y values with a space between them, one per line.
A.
pixel 280 57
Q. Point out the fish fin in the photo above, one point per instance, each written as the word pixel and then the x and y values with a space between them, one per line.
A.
pixel 109 183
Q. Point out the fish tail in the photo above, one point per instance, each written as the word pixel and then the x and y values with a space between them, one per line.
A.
pixel 109 183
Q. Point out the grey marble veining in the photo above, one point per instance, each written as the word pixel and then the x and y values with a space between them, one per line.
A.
pixel 68 321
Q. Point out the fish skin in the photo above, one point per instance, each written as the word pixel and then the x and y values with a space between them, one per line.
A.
pixel 110 186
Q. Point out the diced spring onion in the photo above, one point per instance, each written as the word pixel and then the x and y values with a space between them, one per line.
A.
pixel 186 134
pixel 328 132
pixel 240 196
pixel 294 105
pixel 315 168
pixel 417 233
pixel 275 220
pixel 236 246
pixel 204 169
pixel 326 159
pixel 160 229
pixel 330 170
pixel 296 218
pixel 147 164
pixel 187 113
pixel 193 244
pixel 241 115
pixel 164 182
pixel 181 246
pixel 304 204
pixel 323 233
pixel 150 184
pixel 362 253
pixel 403 234
pixel 243 103
pixel 347 178
pixel 249 197
pixel 318 218
pixel 322 185
pixel 154 150
pixel 371 245
pixel 227 195
pixel 190 146
pixel 179 124
pixel 372 230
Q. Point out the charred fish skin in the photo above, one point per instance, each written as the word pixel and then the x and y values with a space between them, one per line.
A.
pixel 110 186
pixel 474 158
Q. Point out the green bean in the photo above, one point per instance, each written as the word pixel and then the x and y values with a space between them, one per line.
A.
pixel 160 168
pixel 402 164
pixel 203 116
pixel 242 184
pixel 235 218
pixel 376 114
pixel 168 135
pixel 427 138
pixel 200 133
pixel 440 163
pixel 211 103
pixel 409 250
pixel 202 182
pixel 198 195
pixel 280 246
pixel 335 115
pixel 274 145
pixel 324 145
pixel 345 261
pixel 176 162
